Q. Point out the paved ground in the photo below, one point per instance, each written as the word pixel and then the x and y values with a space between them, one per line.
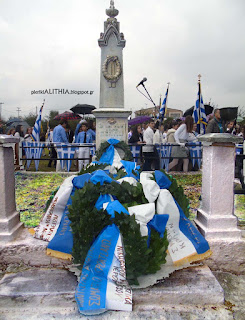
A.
pixel 55 300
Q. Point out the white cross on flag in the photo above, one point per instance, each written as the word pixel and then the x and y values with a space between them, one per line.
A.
pixel 66 152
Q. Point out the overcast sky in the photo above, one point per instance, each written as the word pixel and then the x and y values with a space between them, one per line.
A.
pixel 49 44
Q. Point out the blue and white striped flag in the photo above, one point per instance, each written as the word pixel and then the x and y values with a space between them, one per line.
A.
pixel 164 151
pixel 28 152
pixel 37 149
pixel 163 108
pixel 199 114
pixel 66 152
pixel 37 126
pixel 195 149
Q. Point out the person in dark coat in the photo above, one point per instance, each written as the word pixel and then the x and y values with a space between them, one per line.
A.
pixel 137 136
pixel 215 125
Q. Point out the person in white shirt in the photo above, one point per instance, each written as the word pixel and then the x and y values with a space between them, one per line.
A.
pixel 158 135
pixel 182 136
pixel 148 149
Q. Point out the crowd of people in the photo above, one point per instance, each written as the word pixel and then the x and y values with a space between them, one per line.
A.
pixel 85 132
pixel 179 133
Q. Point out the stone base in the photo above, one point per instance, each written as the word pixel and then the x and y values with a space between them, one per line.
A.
pixel 52 291
pixel 10 227
pixel 194 285
pixel 228 255
pixel 217 226
pixel 28 251
pixel 111 123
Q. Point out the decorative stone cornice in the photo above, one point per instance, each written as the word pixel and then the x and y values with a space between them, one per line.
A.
pixel 112 12
pixel 111 26
pixel 212 138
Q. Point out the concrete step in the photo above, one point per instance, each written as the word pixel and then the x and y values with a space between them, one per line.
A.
pixel 50 292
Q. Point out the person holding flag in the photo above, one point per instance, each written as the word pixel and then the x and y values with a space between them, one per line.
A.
pixel 199 114
pixel 163 108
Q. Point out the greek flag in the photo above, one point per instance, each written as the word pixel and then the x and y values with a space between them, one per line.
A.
pixel 135 152
pixel 164 151
pixel 195 153
pixel 199 114
pixel 28 152
pixel 65 152
pixel 37 149
pixel 37 126
pixel 163 108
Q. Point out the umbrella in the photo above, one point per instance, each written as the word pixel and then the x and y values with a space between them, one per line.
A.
pixel 67 116
pixel 13 124
pixel 228 114
pixel 208 110
pixel 13 120
pixel 139 120
pixel 83 108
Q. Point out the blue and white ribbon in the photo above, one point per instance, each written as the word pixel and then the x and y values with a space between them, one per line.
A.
pixel 104 276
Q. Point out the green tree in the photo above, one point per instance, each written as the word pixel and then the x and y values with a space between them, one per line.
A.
pixel 50 118
pixel 30 119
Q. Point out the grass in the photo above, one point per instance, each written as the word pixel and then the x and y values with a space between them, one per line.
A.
pixel 33 191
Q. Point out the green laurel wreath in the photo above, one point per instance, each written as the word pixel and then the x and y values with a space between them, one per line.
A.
pixel 120 145
pixel 87 222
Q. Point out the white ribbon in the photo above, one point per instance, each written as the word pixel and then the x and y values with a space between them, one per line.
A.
pixel 150 187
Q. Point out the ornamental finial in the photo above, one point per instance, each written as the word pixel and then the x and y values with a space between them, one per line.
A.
pixel 112 12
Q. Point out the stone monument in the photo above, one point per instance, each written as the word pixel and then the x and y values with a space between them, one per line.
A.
pixel 111 117
pixel 10 224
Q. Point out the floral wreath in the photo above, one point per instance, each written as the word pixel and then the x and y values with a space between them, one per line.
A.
pixel 116 76
pixel 120 145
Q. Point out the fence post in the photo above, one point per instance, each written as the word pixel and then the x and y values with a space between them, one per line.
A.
pixel 10 223
pixel 215 217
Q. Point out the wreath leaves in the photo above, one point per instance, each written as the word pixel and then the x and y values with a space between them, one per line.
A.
pixel 87 222
pixel 120 145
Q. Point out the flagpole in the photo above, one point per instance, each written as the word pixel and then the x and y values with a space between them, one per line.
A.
pixel 199 101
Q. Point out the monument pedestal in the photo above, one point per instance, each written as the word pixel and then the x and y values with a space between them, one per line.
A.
pixel 215 218
pixel 111 124
pixel 10 223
